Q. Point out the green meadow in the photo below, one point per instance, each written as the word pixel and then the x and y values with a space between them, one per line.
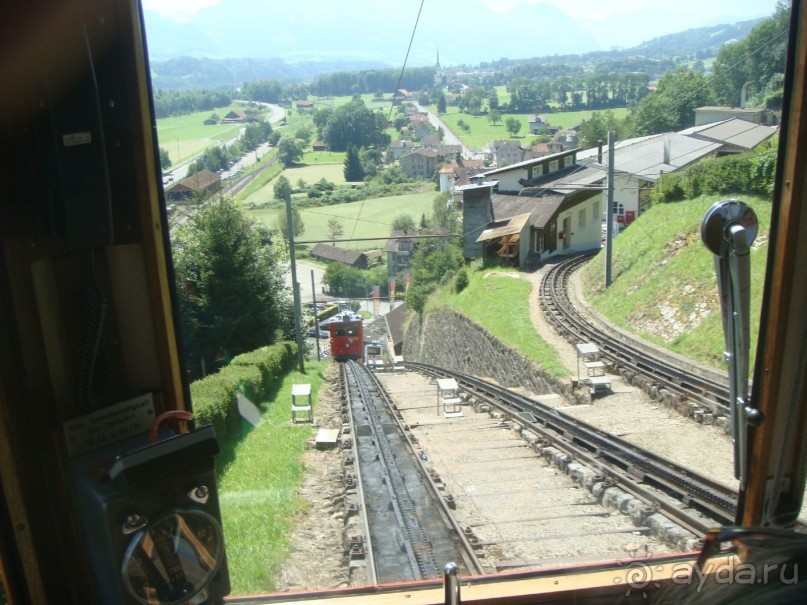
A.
pixel 370 218
pixel 185 136
pixel 482 130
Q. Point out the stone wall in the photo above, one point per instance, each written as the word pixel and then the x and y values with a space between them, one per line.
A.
pixel 450 340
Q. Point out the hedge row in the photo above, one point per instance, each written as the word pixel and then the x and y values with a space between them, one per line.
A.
pixel 751 173
pixel 255 374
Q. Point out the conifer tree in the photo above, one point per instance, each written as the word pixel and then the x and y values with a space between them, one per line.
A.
pixel 353 169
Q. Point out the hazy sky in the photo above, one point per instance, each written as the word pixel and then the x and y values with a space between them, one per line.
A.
pixel 608 23
pixel 689 12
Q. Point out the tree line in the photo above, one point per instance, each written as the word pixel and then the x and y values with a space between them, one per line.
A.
pixel 219 157
pixel 168 103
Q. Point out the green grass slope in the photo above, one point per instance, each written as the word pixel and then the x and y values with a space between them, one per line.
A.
pixel 664 286
pixel 498 300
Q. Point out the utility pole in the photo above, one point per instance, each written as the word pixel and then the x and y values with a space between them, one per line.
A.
pixel 316 319
pixel 609 210
pixel 295 288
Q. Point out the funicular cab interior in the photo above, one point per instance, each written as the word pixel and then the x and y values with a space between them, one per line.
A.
pixel 81 207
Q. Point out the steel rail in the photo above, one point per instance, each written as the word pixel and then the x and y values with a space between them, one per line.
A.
pixel 416 541
pixel 416 544
pixel 347 418
pixel 467 552
pixel 611 456
pixel 707 388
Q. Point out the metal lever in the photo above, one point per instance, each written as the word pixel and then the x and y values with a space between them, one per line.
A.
pixel 728 229
pixel 451 582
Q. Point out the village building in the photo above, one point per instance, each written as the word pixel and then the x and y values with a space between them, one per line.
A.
pixel 333 254
pixel 735 135
pixel 504 153
pixel 420 164
pixel 711 113
pixel 201 184
pixel 235 116
pixel 540 150
pixel 566 139
pixel 458 173
pixel 525 229
pixel 400 148
pixel 401 245
pixel 419 125
pixel 536 123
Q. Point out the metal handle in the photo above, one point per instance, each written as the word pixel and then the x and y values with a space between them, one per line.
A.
pixel 727 230
pixel 451 582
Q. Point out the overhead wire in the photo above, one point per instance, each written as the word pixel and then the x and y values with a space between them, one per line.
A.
pixel 567 178
pixel 395 92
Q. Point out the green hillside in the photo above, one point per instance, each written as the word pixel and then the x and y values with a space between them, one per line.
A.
pixel 664 286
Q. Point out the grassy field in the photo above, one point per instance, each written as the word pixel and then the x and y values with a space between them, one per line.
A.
pixel 664 280
pixel 511 308
pixel 370 218
pixel 185 136
pixel 483 130
pixel 265 193
pixel 258 488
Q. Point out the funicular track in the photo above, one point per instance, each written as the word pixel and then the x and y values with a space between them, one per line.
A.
pixel 411 533
pixel 679 379
pixel 690 500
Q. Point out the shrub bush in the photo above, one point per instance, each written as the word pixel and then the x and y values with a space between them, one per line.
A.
pixel 461 281
pixel 256 374
pixel 749 172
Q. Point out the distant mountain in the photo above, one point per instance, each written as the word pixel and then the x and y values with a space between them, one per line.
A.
pixel 183 55
pixel 228 74
pixel 701 41
pixel 168 39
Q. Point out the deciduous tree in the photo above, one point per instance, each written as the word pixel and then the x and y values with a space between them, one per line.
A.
pixel 403 222
pixel 282 189
pixel 513 125
pixel 335 228
pixel 289 150
pixel 297 223
pixel 230 283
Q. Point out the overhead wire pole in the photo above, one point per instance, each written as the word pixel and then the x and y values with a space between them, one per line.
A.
pixel 316 318
pixel 609 211
pixel 295 289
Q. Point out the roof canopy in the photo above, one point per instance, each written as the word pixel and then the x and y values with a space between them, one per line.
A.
pixel 509 226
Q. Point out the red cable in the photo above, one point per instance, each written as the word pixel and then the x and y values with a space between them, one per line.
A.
pixel 171 414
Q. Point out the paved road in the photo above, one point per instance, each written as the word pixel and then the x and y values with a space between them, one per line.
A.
pixel 179 171
pixel 449 138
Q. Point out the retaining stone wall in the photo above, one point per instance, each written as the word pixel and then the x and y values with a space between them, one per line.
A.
pixel 450 340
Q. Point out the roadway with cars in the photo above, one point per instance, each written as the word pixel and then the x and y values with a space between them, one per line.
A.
pixel 179 171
